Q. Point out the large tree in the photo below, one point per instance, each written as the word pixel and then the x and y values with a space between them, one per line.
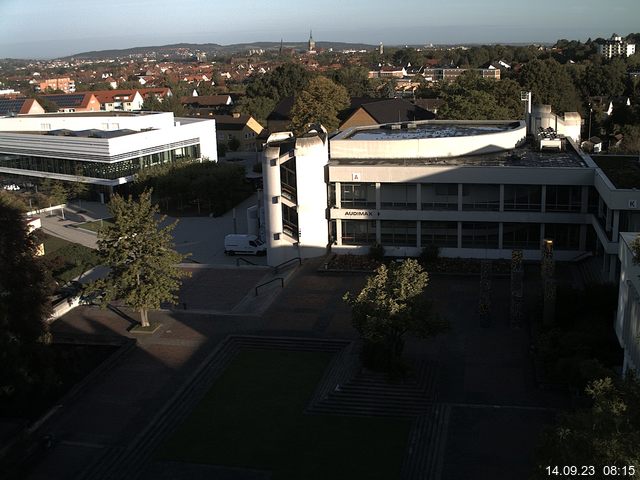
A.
pixel 471 97
pixel 24 305
pixel 606 434
pixel 139 252
pixel 551 84
pixel 319 102
pixel 391 305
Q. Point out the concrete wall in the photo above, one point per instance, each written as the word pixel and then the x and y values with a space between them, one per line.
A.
pixel 402 148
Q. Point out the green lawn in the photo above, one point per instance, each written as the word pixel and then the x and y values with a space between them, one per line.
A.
pixel 95 226
pixel 253 417
pixel 67 260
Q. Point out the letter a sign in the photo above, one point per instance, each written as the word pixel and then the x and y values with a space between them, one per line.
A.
pixel 355 177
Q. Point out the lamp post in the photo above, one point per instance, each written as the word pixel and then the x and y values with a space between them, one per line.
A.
pixel 590 110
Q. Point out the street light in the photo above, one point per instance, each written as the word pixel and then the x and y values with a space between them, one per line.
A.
pixel 590 110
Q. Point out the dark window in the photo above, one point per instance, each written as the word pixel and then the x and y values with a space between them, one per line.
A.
pixel 565 236
pixel 479 235
pixel 439 234
pixel 358 232
pixel 398 233
pixel 481 197
pixel 521 235
pixel 400 196
pixel 523 198
pixel 439 196
pixel 358 195
pixel 563 198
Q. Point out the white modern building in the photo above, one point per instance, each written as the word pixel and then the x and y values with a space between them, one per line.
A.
pixel 101 148
pixel 616 47
pixel 473 189
pixel 628 317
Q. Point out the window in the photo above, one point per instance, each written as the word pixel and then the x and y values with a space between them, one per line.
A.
pixel 439 196
pixel 398 233
pixel 524 236
pixel 479 235
pixel 481 197
pixel 561 198
pixel 439 234
pixel 358 232
pixel 564 236
pixel 290 221
pixel 522 198
pixel 399 196
pixel 358 195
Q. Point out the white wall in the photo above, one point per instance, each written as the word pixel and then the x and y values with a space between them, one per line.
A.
pixel 627 323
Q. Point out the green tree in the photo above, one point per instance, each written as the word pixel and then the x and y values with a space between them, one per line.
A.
pixel 356 80
pixel 635 248
pixel 471 97
pixel 284 81
pixel 391 305
pixel 258 107
pixel 607 433
pixel 139 252
pixel 551 84
pixel 319 102
pixel 24 305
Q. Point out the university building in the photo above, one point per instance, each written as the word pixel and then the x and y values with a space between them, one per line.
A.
pixel 475 189
pixel 100 148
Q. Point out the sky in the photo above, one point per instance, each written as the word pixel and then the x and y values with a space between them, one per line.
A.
pixel 49 29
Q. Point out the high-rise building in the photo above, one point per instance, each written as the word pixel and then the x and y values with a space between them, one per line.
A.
pixel 616 47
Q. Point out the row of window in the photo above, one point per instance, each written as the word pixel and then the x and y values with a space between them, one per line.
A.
pixel 475 197
pixel 90 169
pixel 526 236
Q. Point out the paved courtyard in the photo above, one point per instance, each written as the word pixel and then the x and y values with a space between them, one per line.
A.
pixel 482 377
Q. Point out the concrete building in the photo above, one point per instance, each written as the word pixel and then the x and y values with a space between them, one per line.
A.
pixel 66 84
pixel 473 189
pixel 627 324
pixel 616 47
pixel 100 148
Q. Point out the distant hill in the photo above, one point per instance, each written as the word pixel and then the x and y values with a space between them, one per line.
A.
pixel 212 48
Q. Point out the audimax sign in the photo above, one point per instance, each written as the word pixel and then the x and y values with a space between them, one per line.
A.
pixel 361 213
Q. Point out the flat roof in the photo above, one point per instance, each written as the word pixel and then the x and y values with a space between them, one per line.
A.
pixel 410 131
pixel 524 156
pixel 622 170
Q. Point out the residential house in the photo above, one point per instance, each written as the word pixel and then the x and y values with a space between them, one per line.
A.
pixel 74 102
pixel 66 84
pixel 382 111
pixel 119 100
pixel 19 106
pixel 243 128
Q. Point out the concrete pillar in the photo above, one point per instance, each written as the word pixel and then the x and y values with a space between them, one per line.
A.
pixel 609 218
pixel 584 201
pixel 582 245
pixel 500 233
pixel 543 199
pixel 459 197
pixel 616 225
pixel 378 196
pixel 502 197
pixel 418 196
pixel 459 234
pixel 378 232
pixel 419 234
pixel 338 190
pixel 339 232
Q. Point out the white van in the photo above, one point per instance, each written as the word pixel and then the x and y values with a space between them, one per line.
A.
pixel 244 244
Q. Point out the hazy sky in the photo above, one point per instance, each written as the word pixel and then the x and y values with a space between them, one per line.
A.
pixel 49 28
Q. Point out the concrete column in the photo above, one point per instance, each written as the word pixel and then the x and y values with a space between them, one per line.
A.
pixel 582 246
pixel 459 197
pixel 339 232
pixel 338 195
pixel 459 234
pixel 615 226
pixel 500 233
pixel 543 199
pixel 608 220
pixel 613 268
pixel 419 234
pixel 502 197
pixel 378 201
pixel 378 232
pixel 418 196
pixel 584 201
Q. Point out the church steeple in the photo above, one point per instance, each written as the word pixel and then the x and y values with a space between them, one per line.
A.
pixel 312 42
